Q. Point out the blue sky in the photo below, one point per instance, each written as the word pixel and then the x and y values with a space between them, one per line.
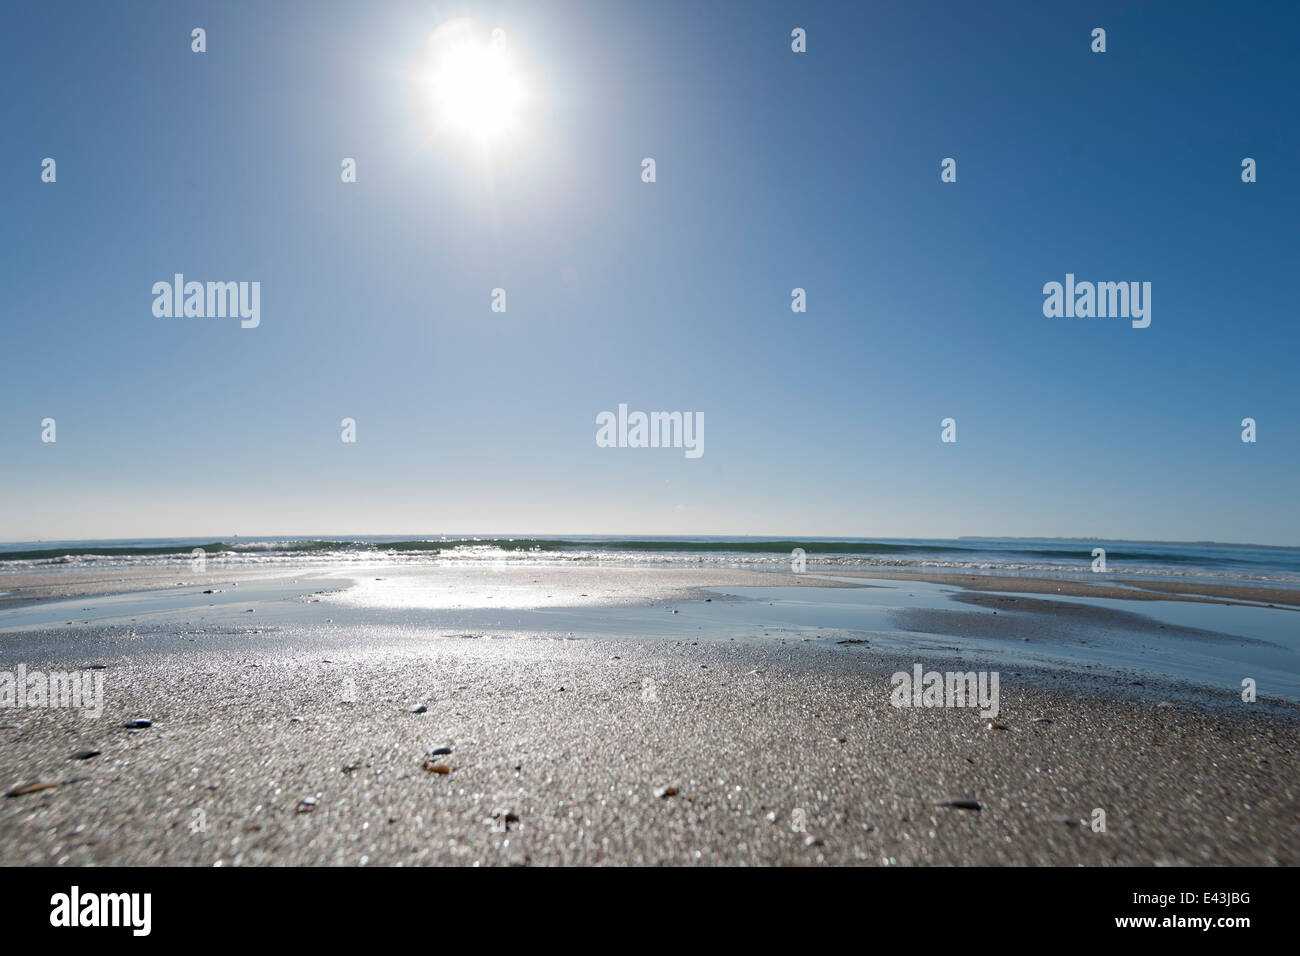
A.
pixel 775 170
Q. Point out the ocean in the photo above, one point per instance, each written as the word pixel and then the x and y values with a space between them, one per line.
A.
pixel 1258 564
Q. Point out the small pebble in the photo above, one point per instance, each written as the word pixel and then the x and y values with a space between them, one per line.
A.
pixel 30 788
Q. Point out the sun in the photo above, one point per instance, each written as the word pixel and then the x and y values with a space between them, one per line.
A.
pixel 476 90
pixel 471 88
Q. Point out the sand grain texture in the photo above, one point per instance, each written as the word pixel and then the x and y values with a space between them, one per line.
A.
pixel 558 749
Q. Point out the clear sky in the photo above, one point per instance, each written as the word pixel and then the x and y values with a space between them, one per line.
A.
pixel 774 170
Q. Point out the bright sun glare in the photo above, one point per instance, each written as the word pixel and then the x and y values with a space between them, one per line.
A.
pixel 473 89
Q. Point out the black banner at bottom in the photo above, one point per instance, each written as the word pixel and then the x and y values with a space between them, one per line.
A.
pixel 333 906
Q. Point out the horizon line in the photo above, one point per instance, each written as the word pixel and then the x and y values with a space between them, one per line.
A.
pixel 415 536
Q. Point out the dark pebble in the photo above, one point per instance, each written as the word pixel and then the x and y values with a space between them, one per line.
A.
pixel 30 788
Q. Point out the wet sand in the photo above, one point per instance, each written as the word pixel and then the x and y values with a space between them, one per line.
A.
pixel 558 749
pixel 1137 589
pixel 287 741
pixel 576 584
pixel 625 584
